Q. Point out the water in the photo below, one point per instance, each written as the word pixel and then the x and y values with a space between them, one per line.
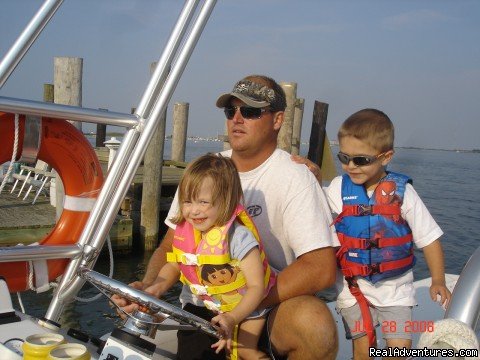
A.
pixel 445 180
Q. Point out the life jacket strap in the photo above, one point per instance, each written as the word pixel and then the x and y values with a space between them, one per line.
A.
pixel 198 289
pixel 364 209
pixel 364 305
pixel 210 305
pixel 363 243
pixel 350 268
pixel 196 259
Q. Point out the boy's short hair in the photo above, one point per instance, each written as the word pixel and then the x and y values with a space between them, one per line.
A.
pixel 226 192
pixel 371 126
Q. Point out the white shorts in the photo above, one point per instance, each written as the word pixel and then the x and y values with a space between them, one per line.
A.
pixel 393 320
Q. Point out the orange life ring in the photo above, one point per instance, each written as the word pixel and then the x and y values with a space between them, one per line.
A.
pixel 65 149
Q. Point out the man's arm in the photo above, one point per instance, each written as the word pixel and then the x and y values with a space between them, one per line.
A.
pixel 158 259
pixel 311 272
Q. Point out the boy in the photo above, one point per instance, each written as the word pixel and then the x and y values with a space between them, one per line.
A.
pixel 380 217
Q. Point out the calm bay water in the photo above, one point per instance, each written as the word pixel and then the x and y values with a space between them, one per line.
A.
pixel 445 180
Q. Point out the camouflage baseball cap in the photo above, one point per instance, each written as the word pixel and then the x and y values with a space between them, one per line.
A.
pixel 251 93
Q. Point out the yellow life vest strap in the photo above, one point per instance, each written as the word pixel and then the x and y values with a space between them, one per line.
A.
pixel 228 307
pixel 234 352
pixel 222 289
pixel 179 256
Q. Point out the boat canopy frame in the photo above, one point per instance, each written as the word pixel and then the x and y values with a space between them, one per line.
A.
pixel 141 126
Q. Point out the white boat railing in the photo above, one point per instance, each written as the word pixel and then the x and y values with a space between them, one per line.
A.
pixel 142 125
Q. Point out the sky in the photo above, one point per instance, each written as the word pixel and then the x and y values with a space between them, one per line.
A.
pixel 416 60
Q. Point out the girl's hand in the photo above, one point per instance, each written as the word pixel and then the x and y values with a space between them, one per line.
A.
pixel 225 324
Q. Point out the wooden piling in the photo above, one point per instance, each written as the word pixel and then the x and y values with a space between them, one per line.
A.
pixel 319 150
pixel 179 133
pixel 285 134
pixel 224 138
pixel 48 93
pixel 67 82
pixel 152 184
pixel 67 79
pixel 297 126
pixel 317 134
pixel 101 134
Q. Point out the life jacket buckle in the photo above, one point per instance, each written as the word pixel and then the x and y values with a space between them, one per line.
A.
pixel 189 259
pixel 210 305
pixel 371 243
pixel 374 269
pixel 363 209
pixel 351 281
pixel 198 289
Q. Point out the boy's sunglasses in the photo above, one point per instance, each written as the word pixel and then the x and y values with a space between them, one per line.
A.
pixel 358 160
pixel 247 112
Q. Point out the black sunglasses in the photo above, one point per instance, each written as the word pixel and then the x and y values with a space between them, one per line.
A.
pixel 247 112
pixel 358 160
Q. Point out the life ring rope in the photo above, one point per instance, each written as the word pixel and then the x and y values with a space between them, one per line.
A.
pixel 14 155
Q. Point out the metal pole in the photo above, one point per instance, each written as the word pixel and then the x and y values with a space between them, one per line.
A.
pixel 163 65
pixel 27 38
pixel 39 108
pixel 159 108
pixel 123 170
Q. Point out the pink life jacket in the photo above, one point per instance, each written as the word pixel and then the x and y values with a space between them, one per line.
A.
pixel 192 253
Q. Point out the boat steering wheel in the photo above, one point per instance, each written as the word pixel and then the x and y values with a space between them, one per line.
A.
pixel 154 305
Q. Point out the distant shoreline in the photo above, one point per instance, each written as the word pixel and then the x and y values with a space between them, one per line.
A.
pixel 332 142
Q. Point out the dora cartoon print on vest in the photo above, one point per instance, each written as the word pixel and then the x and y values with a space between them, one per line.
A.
pixel 223 274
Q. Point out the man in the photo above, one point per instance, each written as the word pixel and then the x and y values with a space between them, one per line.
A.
pixel 291 213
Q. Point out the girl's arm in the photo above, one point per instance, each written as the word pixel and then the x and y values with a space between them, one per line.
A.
pixel 252 268
pixel 166 278
pixel 434 258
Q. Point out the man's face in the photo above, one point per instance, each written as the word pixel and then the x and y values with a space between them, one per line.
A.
pixel 251 135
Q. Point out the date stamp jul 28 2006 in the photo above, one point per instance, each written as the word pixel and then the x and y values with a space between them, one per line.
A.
pixel 410 326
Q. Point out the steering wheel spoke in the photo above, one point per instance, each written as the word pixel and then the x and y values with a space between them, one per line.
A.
pixel 154 305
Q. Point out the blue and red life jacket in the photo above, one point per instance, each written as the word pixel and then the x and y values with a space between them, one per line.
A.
pixel 376 242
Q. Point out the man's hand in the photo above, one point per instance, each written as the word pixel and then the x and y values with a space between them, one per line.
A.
pixel 123 303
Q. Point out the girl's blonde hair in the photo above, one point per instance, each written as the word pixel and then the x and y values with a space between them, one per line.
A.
pixel 371 126
pixel 227 189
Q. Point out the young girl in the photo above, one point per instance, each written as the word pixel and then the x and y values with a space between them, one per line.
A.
pixel 218 257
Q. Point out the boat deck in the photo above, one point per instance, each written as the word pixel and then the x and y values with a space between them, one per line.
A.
pixel 20 220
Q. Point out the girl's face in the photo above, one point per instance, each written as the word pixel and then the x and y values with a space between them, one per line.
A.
pixel 201 212
pixel 368 175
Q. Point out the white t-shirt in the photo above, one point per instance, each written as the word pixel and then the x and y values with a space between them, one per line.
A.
pixel 397 291
pixel 288 207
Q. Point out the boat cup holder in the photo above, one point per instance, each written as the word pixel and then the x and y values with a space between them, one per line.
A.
pixel 141 323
